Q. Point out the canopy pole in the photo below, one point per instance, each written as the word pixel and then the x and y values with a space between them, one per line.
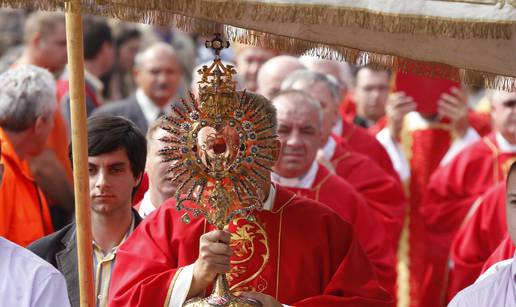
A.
pixel 79 134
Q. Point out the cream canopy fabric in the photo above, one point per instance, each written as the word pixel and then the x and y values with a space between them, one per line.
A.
pixel 469 40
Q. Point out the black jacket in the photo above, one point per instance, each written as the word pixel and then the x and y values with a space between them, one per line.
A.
pixel 60 250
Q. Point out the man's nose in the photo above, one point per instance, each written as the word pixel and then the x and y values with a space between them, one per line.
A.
pixel 294 139
pixel 102 179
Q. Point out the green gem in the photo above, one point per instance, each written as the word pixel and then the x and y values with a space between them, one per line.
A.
pixel 251 218
pixel 185 218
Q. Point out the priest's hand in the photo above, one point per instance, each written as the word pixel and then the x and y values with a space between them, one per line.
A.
pixel 266 300
pixel 214 259
pixel 397 106
pixel 455 107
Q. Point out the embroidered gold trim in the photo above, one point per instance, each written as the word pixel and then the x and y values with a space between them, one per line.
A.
pixel 335 162
pixel 171 287
pixel 403 264
pixel 180 13
pixel 496 152
pixel 279 252
pixel 283 206
pixel 243 234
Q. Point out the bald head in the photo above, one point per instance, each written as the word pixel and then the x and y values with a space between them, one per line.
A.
pixel 157 72
pixel 503 112
pixel 274 71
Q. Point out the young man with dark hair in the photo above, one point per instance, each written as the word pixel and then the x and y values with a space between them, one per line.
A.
pixel 116 161
pixel 98 61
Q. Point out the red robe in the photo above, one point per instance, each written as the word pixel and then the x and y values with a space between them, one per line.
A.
pixel 300 252
pixel 383 193
pixel 451 192
pixel 504 251
pixel 340 196
pixel 361 141
pixel 477 239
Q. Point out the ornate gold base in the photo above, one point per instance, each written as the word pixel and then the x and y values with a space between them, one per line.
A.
pixel 221 297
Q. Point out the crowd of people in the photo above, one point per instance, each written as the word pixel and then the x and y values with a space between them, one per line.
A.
pixel 386 190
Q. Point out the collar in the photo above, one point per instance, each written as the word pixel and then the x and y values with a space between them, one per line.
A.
pixel 329 149
pixel 146 206
pixel 95 82
pixel 503 144
pixel 303 182
pixel 269 202
pixel 127 234
pixel 150 110
pixel 339 126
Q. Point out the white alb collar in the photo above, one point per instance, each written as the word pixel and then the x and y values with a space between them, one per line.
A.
pixel 303 182
pixel 329 149
pixel 503 144
pixel 146 206
pixel 338 127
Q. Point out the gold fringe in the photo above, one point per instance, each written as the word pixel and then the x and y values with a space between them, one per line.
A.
pixel 176 13
pixel 309 14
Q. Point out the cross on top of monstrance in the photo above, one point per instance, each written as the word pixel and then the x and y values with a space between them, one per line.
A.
pixel 221 147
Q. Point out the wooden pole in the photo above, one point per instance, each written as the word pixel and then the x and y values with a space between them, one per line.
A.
pixel 80 151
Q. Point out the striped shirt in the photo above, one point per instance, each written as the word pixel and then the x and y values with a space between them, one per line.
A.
pixel 103 267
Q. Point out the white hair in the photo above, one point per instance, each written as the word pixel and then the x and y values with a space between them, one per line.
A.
pixel 310 78
pixel 307 98
pixel 26 93
pixel 151 51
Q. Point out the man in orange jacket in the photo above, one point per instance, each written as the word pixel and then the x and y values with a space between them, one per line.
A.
pixel 27 106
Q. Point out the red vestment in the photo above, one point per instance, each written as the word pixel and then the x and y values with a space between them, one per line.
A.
pixel 299 252
pixel 451 192
pixel 477 239
pixel 383 193
pixel 340 196
pixel 348 109
pixel 361 141
pixel 504 251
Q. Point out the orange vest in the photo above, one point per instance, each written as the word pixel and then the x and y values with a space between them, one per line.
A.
pixel 24 214
pixel 58 143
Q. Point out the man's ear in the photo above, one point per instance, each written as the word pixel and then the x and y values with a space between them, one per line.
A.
pixel 36 40
pixel 39 125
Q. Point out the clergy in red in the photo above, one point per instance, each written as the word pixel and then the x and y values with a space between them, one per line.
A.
pixel 478 237
pixel 300 136
pixel 454 188
pixel 296 252
pixel 357 138
pixel 361 141
pixel 504 251
pixel 290 253
pixel 382 192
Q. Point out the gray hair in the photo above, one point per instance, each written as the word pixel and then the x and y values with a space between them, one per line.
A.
pixel 145 54
pixel 344 74
pixel 306 96
pixel 310 78
pixel 26 93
